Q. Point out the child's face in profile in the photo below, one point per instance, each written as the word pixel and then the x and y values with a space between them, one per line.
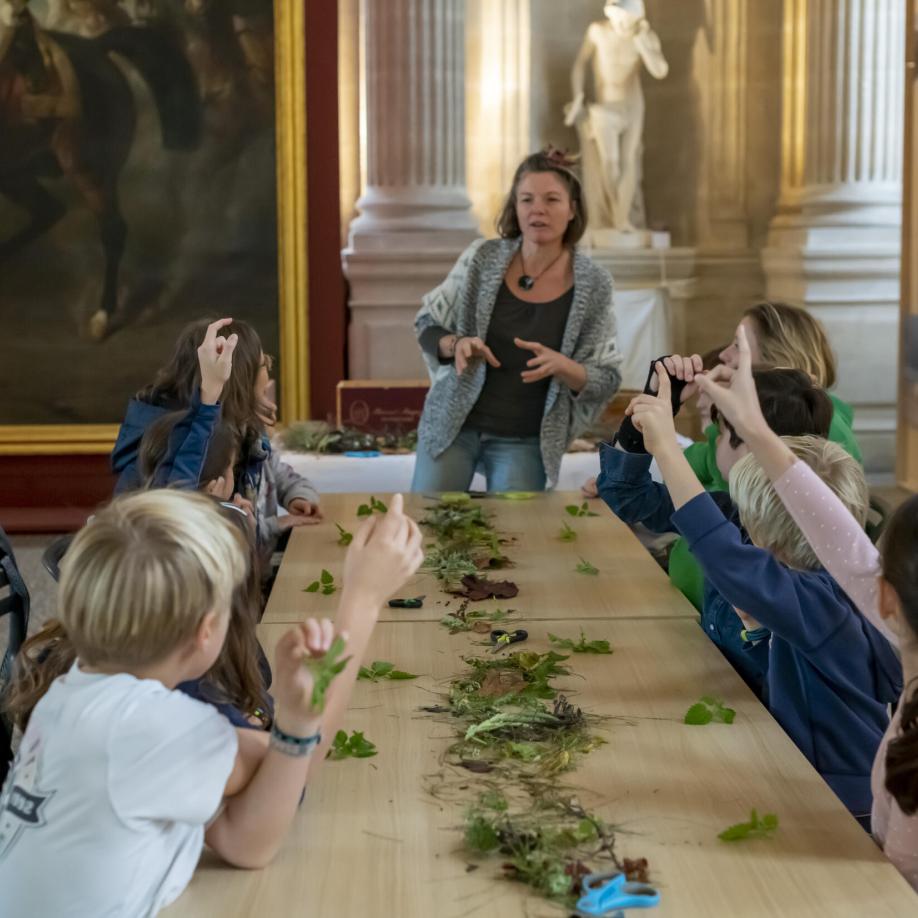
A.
pixel 727 455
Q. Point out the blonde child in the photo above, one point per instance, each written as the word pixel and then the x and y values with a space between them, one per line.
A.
pixel 119 780
pixel 830 672
pixel 884 588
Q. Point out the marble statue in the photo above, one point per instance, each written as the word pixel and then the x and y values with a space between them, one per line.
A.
pixel 611 127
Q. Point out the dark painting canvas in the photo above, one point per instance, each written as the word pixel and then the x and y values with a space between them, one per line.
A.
pixel 137 192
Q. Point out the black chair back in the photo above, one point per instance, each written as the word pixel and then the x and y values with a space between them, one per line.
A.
pixel 14 607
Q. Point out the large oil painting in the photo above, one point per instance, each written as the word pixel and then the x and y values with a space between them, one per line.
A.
pixel 140 147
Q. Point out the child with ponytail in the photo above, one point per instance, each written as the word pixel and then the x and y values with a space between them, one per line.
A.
pixel 884 589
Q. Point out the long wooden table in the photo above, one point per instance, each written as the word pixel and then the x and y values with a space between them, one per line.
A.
pixel 373 839
pixel 630 584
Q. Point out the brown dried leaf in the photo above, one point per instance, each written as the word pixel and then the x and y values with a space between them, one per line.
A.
pixel 481 628
pixel 636 871
pixel 498 683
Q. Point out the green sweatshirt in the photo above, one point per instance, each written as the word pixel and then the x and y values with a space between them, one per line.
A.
pixel 684 572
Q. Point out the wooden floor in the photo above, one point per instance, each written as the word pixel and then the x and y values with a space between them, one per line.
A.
pixel 383 836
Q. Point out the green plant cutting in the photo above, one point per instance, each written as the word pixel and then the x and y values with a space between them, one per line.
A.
pixel 355 746
pixel 764 827
pixel 324 585
pixel 374 506
pixel 324 669
pixel 381 669
pixel 709 710
pixel 581 646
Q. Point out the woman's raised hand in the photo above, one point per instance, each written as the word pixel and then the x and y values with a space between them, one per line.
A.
pixel 215 359
pixel 469 349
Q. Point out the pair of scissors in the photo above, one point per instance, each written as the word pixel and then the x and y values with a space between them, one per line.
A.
pixel 605 894
pixel 501 639
pixel 416 603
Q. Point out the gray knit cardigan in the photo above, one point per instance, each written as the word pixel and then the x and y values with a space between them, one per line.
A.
pixel 464 302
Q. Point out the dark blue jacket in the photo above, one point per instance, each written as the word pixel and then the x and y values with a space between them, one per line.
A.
pixel 187 449
pixel 634 497
pixel 203 691
pixel 831 674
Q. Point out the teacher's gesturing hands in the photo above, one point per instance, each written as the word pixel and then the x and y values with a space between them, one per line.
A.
pixel 469 349
pixel 548 362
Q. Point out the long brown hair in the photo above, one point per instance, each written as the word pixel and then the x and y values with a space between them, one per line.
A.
pixel 235 678
pixel 508 224
pixel 900 570
pixel 177 380
pixel 222 450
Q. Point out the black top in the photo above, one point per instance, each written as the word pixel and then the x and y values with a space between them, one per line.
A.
pixel 507 406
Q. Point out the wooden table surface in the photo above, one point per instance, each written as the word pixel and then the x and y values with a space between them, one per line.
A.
pixel 372 840
pixel 630 584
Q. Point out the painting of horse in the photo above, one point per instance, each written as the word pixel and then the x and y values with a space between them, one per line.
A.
pixel 137 192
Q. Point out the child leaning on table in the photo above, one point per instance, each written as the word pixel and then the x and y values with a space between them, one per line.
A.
pixel 119 780
pixel 885 590
pixel 830 672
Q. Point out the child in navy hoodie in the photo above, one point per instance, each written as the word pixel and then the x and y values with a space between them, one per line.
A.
pixel 831 674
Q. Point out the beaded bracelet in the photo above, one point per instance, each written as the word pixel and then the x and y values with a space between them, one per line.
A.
pixel 293 745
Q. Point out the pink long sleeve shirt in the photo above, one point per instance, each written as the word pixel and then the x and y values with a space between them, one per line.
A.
pixel 851 558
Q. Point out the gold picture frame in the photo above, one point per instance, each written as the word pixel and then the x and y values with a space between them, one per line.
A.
pixel 293 267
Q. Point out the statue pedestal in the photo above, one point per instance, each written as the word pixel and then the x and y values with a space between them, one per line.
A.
pixel 670 272
pixel 613 240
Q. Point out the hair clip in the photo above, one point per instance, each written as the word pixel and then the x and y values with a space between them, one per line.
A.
pixel 561 158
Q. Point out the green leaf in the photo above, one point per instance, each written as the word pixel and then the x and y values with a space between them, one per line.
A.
pixel 698 715
pixel 364 510
pixel 573 509
pixel 328 589
pixel 754 828
pixel 326 577
pixel 581 646
pixel 455 497
pixel 494 800
pixel 313 587
pixel 345 537
pixel 709 710
pixel 324 670
pixel 567 533
pixel 584 567
pixel 355 746
pixel 586 831
pixel 382 669
pixel 480 836
pixel 526 752
pixel 586 511
pixel 517 495
pixel 378 506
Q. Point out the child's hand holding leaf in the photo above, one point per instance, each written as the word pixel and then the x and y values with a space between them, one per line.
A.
pixel 299 690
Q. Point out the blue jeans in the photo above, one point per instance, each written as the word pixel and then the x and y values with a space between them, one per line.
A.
pixel 508 464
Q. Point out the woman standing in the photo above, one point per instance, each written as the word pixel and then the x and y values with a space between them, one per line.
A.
pixel 519 341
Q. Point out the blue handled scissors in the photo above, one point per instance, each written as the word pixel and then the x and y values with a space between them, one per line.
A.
pixel 606 894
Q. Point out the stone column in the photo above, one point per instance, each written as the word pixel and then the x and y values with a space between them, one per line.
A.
pixel 834 245
pixel 415 214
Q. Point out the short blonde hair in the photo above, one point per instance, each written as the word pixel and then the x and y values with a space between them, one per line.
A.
pixel 788 336
pixel 764 515
pixel 142 574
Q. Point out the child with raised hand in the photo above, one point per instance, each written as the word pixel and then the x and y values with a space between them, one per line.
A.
pixel 795 406
pixel 885 590
pixel 830 672
pixel 118 776
pixel 219 372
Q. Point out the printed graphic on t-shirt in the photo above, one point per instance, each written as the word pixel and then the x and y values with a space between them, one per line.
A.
pixel 22 802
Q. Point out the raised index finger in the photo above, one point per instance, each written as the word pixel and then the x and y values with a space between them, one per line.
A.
pixel 214 327
pixel 745 354
pixel 665 391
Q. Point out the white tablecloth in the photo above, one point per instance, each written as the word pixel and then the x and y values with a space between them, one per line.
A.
pixel 389 474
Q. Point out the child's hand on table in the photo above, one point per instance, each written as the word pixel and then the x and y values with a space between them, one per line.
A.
pixel 293 682
pixel 385 552
pixel 302 507
pixel 215 360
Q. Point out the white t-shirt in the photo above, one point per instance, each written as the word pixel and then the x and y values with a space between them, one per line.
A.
pixel 103 813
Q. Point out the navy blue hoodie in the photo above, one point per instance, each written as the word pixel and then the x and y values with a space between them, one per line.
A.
pixel 187 449
pixel 831 674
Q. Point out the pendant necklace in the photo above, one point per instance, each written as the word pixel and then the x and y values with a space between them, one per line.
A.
pixel 526 280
